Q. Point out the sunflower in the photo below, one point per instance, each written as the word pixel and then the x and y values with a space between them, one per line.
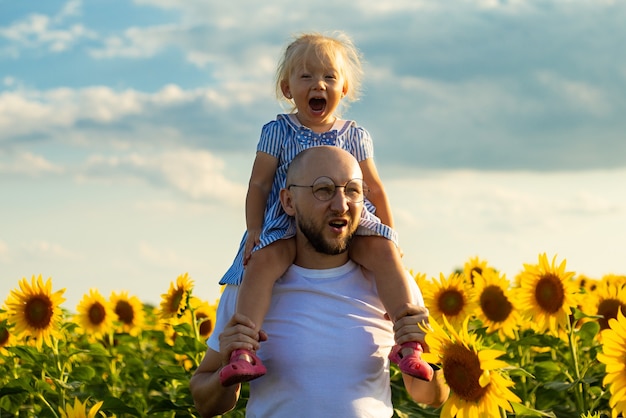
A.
pixel 35 311
pixel 586 284
pixel 175 301
pixel 79 410
pixel 474 266
pixel 95 315
pixel 129 312
pixel 548 294
pixel 613 355
pixel 496 305
pixel 5 334
pixel 478 387
pixel 204 316
pixel 449 298
pixel 608 299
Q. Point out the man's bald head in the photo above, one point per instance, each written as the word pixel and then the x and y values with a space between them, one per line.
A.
pixel 311 160
pixel 324 227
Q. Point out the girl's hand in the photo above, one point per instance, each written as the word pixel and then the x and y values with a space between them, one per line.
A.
pixel 254 239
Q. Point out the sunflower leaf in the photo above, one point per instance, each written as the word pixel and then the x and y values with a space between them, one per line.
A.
pixel 523 411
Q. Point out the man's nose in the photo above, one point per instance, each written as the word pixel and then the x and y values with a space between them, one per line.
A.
pixel 339 202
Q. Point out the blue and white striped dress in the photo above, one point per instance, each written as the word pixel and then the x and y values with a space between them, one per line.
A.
pixel 283 138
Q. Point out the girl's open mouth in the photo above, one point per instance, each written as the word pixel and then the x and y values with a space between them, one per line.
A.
pixel 317 105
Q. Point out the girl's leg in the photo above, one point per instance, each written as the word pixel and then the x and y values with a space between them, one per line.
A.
pixel 255 294
pixel 263 269
pixel 382 258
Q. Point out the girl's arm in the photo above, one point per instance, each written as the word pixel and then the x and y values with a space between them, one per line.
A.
pixel 259 187
pixel 377 194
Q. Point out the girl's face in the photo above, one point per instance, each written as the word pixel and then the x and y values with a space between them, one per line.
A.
pixel 316 87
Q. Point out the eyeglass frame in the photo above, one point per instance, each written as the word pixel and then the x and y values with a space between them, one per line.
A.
pixel 364 191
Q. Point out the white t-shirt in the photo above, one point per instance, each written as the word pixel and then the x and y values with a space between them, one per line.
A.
pixel 327 347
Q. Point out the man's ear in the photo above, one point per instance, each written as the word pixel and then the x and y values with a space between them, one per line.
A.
pixel 286 200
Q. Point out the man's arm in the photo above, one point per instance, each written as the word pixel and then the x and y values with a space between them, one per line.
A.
pixel 209 396
pixel 435 392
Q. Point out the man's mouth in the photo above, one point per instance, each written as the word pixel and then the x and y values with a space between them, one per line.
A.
pixel 317 104
pixel 338 224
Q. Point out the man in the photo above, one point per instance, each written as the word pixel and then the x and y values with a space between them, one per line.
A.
pixel 326 337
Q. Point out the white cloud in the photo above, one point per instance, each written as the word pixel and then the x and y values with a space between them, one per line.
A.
pixel 24 111
pixel 444 218
pixel 49 250
pixel 40 31
pixel 70 9
pixel 138 42
pixel 162 257
pixel 27 163
pixel 577 94
pixel 196 174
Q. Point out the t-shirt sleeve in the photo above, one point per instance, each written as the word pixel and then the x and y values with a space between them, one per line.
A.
pixel 225 310
pixel 271 141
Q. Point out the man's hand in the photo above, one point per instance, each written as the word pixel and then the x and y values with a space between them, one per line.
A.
pixel 407 328
pixel 239 333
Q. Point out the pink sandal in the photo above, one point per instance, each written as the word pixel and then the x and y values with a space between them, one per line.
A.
pixel 413 364
pixel 244 366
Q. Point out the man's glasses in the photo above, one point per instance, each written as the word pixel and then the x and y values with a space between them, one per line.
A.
pixel 324 189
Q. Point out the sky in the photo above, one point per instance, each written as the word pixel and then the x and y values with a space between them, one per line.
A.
pixel 128 131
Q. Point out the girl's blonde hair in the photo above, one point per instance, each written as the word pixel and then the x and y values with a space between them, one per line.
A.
pixel 338 48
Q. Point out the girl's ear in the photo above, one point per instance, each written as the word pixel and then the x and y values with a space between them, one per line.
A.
pixel 287 202
pixel 344 92
pixel 284 86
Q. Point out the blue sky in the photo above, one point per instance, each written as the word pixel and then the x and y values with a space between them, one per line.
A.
pixel 128 129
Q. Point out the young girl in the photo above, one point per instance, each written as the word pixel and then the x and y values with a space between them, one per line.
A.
pixel 315 75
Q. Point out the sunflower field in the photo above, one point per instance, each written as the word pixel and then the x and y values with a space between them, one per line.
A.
pixel 545 343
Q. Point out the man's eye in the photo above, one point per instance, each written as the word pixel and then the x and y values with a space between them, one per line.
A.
pixel 325 189
pixel 353 191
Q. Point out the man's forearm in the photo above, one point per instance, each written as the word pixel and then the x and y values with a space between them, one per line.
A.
pixel 210 397
pixel 433 393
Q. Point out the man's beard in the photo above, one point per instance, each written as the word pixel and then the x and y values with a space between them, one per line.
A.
pixel 315 237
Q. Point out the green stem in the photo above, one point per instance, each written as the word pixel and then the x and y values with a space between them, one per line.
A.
pixel 580 398
pixel 113 377
pixel 502 413
pixel 60 368
pixel 43 399
pixel 522 364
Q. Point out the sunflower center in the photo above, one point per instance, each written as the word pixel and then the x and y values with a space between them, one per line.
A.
pixel 124 312
pixel 96 313
pixel 451 302
pixel 4 336
pixel 608 309
pixel 461 368
pixel 38 311
pixel 495 304
pixel 549 293
pixel 176 299
pixel 206 326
